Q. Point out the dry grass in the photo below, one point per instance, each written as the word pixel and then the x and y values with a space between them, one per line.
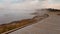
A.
pixel 17 24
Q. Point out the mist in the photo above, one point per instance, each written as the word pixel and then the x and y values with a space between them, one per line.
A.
pixel 12 10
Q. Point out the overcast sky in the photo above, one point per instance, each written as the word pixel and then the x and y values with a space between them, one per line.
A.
pixel 23 4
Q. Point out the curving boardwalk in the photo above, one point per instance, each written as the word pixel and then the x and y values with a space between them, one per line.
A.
pixel 51 25
pixel 26 22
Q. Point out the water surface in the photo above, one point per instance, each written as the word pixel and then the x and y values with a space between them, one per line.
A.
pixel 7 16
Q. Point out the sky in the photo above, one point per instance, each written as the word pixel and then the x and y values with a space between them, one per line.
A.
pixel 31 4
pixel 53 4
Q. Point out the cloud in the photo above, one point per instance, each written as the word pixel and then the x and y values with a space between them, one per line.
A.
pixel 28 4
pixel 56 6
pixel 52 4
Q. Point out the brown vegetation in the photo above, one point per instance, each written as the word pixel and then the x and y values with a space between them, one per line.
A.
pixel 17 24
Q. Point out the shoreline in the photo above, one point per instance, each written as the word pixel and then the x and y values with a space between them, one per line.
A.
pixel 17 24
pixel 24 22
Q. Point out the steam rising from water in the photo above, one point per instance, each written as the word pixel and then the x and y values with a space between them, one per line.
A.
pixel 10 11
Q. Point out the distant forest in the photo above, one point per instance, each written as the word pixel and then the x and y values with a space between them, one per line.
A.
pixel 52 9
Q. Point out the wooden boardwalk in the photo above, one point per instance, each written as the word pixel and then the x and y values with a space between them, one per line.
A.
pixel 50 25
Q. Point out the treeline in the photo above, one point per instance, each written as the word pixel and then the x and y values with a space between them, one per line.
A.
pixel 52 9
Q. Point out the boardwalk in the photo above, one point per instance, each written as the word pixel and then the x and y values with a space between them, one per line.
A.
pixel 50 25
